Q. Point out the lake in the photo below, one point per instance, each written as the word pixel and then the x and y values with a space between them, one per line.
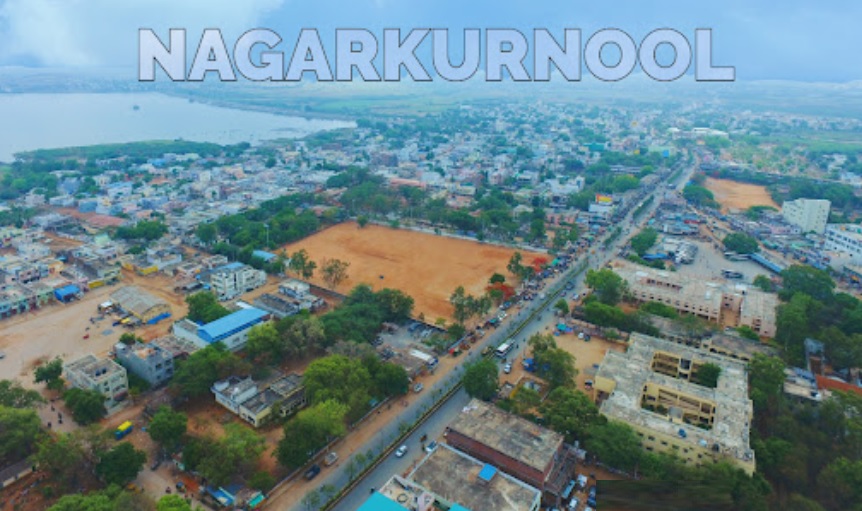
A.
pixel 45 121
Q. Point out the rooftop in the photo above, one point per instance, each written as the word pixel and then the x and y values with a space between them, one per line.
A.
pixel 631 372
pixel 455 477
pixel 286 385
pixel 94 368
pixel 133 299
pixel 175 346
pixel 508 434
pixel 236 320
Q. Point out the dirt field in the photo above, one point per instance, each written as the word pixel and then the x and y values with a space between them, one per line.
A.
pixel 734 195
pixel 59 329
pixel 426 267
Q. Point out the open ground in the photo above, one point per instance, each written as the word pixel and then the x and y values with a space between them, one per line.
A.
pixel 425 266
pixel 735 195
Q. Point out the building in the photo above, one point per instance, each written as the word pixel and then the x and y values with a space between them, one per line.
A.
pixel 276 305
pixel 810 215
pixel 449 479
pixel 150 361
pixel 232 330
pixel 102 375
pixel 719 302
pixel 528 452
pixel 255 402
pixel 232 280
pixel 653 388
pixel 294 288
pixel 145 307
pixel 845 238
pixel 179 349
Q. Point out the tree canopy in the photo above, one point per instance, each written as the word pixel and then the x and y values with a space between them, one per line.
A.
pixel 608 287
pixel 741 243
pixel 480 379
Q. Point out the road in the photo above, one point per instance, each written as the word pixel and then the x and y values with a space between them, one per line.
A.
pixel 435 424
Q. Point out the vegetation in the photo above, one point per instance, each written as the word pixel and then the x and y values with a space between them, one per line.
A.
pixel 480 379
pixel 466 306
pixel 87 405
pixel 168 427
pixel 13 395
pixel 707 375
pixel 571 413
pixel 555 365
pixel 562 306
pixel 301 265
pixel 644 240
pixel 362 314
pixel 121 464
pixel 699 196
pixel 194 376
pixel 603 315
pixel 765 283
pixel 608 287
pixel 659 309
pixel 50 374
pixel 204 307
pixel 310 431
pixel 741 243
pixel 20 428
pixel 234 455
pixel 145 230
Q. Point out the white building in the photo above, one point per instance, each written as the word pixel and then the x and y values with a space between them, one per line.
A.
pixel 102 375
pixel 234 279
pixel 846 239
pixel 807 214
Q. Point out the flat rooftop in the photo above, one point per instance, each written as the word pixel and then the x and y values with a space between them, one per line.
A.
pixel 175 346
pixel 454 476
pixel 707 292
pixel 632 372
pixel 508 434
pixel 95 368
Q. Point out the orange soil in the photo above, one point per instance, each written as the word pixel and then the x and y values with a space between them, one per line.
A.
pixel 734 195
pixel 425 266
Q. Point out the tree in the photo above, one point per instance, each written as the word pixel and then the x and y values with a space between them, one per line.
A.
pixel 168 427
pixel 555 365
pixel 515 265
pixel 525 400
pixel 808 280
pixel 571 413
pixel 615 444
pixel 362 221
pixel 301 265
pixel 741 243
pixel 497 278
pixel 562 306
pixel 644 240
pixel 204 307
pixel 840 484
pixel 341 379
pixel 262 480
pixel 699 196
pixel 843 351
pixel 63 457
pixel 130 339
pixel 766 383
pixel 121 464
pixel 195 375
pixel 87 405
pixel 206 232
pixel 764 283
pixel 456 331
pixel 660 309
pixel 309 431
pixel 13 395
pixel 607 286
pixel 19 430
pixel 747 332
pixel 480 379
pixel 49 373
pixel 334 272
pixel 265 344
pixel 172 503
pixel 461 304
pixel 707 375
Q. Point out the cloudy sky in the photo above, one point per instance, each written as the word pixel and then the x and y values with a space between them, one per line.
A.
pixel 788 39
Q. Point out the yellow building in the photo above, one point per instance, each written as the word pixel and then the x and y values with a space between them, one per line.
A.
pixel 653 388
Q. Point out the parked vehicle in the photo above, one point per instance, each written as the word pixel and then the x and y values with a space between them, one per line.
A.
pixel 401 451
pixel 507 368
pixel 123 430
pixel 418 388
pixel 312 472
pixel 430 447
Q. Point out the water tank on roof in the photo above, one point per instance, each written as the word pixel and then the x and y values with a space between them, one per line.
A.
pixel 220 385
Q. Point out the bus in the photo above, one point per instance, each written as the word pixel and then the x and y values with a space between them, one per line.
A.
pixel 503 349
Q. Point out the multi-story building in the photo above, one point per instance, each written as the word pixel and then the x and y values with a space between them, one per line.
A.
pixel 148 361
pixel 810 215
pixel 102 375
pixel 234 279
pixel 145 307
pixel 255 402
pixel 530 453
pixel 231 330
pixel 655 388
pixel 731 305
pixel 845 238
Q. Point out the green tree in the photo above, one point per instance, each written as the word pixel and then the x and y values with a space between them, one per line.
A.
pixel 562 306
pixel 644 240
pixel 121 464
pixel 13 395
pixel 608 287
pixel 764 283
pixel 741 243
pixel 793 325
pixel 338 378
pixel 362 221
pixel 19 430
pixel 699 196
pixel 840 484
pixel 309 431
pixel 555 365
pixel 456 331
pixel 808 280
pixel 261 480
pixel 301 265
pixel 195 375
pixel 87 405
pixel 659 309
pixel 168 427
pixel 206 232
pixel 129 339
pixel 204 307
pixel 707 375
pixel 615 444
pixel 49 373
pixel 173 503
pixel 497 278
pixel 265 344
pixel 334 272
pixel 525 400
pixel 747 332
pixel 480 379
pixel 515 265
pixel 766 383
pixel 571 413
pixel 63 457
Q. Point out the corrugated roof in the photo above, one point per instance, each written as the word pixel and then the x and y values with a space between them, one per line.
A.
pixel 377 502
pixel 213 331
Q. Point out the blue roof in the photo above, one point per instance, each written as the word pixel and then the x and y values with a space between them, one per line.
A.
pixel 487 473
pixel 232 323
pixel 65 291
pixel 230 266
pixel 458 507
pixel 377 502
pixel 266 256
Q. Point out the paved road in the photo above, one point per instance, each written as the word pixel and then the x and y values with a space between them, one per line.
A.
pixel 436 422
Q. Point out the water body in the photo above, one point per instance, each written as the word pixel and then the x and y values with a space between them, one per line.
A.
pixel 46 121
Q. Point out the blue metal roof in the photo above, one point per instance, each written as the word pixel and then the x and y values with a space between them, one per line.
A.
pixel 266 256
pixel 377 502
pixel 232 323
pixel 65 291
pixel 458 507
pixel 487 473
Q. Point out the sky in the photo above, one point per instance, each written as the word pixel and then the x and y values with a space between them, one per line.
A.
pixel 764 40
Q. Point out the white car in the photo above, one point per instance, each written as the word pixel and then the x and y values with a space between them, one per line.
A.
pixel 401 451
pixel 507 368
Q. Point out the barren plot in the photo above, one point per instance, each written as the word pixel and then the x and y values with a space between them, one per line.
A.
pixel 734 195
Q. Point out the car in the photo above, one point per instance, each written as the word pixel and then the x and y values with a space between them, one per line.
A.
pixel 401 451
pixel 156 464
pixel 581 336
pixel 418 388
pixel 312 472
pixel 330 459
pixel 592 491
pixel 573 504
pixel 430 447
pixel 507 368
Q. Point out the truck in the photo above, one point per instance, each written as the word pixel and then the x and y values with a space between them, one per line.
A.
pixel 123 430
